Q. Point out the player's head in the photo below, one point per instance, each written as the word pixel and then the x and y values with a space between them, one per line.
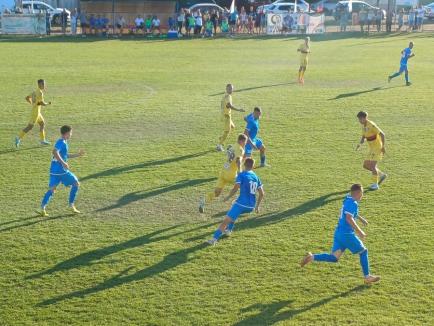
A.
pixel 257 112
pixel 66 131
pixel 362 116
pixel 249 163
pixel 41 83
pixel 229 88
pixel 356 191
pixel 242 139
pixel 411 44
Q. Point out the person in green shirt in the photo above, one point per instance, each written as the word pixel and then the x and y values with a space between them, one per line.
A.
pixel 148 24
pixel 209 27
pixel 225 26
pixel 191 24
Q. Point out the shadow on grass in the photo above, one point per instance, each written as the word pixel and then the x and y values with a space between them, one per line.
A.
pixel 170 261
pixel 271 313
pixel 276 217
pixel 32 221
pixel 94 256
pixel 351 94
pixel 139 195
pixel 17 150
pixel 127 168
pixel 254 88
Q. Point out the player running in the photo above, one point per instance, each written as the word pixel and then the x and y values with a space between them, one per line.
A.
pixel 405 55
pixel 226 110
pixel 248 183
pixel 36 99
pixel 229 172
pixel 345 236
pixel 251 132
pixel 304 50
pixel 376 142
pixel 59 171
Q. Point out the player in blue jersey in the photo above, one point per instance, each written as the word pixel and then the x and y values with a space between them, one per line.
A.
pixel 345 236
pixel 405 55
pixel 59 171
pixel 249 184
pixel 251 131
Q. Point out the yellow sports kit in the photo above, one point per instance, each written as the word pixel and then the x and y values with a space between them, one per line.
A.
pixel 303 56
pixel 371 132
pixel 230 168
pixel 37 100
pixel 227 113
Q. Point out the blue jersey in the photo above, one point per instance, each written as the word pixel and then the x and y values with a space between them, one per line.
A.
pixel 405 55
pixel 350 206
pixel 249 183
pixel 252 126
pixel 62 147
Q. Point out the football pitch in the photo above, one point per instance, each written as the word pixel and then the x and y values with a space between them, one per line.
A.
pixel 147 113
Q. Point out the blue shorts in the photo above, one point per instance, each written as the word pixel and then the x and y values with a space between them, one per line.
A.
pixel 236 210
pixel 402 68
pixel 350 241
pixel 66 179
pixel 249 149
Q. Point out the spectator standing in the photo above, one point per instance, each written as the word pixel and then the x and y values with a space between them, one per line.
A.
pixel 214 20
pixel 198 23
pixel 120 25
pixel 224 28
pixel 209 28
pixel 74 18
pixel 243 21
pixel 233 18
pixel 84 24
pixel 378 17
pixel 400 19
pixel 411 19
pixel 104 22
pixel 389 20
pixel 64 20
pixel 171 23
pixel 47 22
pixel 92 24
pixel 181 21
pixel 191 24
pixel 344 19
pixel 420 13
pixel 156 25
pixel 363 15
pixel 148 24
pixel 140 23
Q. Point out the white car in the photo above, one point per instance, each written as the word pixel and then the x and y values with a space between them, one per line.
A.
pixel 206 7
pixel 39 6
pixel 429 11
pixel 280 4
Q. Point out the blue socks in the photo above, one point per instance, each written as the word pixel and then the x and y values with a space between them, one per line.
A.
pixel 364 262
pixel 396 74
pixel 46 198
pixel 217 234
pixel 72 194
pixel 325 257
pixel 262 160
pixel 406 76
pixel 230 226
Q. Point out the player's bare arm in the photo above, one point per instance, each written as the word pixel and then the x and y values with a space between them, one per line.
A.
pixel 238 162
pixel 383 141
pixel 363 220
pixel 29 99
pixel 80 153
pixel 229 105
pixel 354 225
pixel 362 140
pixel 261 195
pixel 59 159
pixel 233 192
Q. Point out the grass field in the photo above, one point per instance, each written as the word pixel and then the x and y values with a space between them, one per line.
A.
pixel 147 115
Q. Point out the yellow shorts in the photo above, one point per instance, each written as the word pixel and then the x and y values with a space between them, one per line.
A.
pixel 374 154
pixel 304 62
pixel 228 124
pixel 224 179
pixel 36 117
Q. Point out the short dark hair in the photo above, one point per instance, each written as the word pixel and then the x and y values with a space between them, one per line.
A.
pixel 356 187
pixel 242 137
pixel 362 114
pixel 41 81
pixel 257 109
pixel 65 129
pixel 249 163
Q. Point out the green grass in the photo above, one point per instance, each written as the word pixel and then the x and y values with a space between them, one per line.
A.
pixel 147 114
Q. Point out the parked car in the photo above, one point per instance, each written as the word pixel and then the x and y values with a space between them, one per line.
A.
pixel 274 7
pixel 206 7
pixel 357 6
pixel 326 6
pixel 429 10
pixel 39 6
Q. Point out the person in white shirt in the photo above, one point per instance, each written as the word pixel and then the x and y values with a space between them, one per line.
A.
pixel 120 24
pixel 156 25
pixel 140 23
pixel 181 20
pixel 420 13
pixel 74 17
pixel 199 23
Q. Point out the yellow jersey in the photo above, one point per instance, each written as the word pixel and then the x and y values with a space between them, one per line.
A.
pixel 37 98
pixel 304 49
pixel 371 132
pixel 230 168
pixel 226 111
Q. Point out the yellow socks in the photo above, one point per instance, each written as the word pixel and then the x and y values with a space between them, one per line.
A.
pixel 224 137
pixel 375 178
pixel 21 134
pixel 209 197
pixel 42 135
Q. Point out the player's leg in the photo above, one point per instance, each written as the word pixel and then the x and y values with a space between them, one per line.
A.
pixel 303 70
pixel 221 182
pixel 22 133
pixel 338 249
pixel 398 73
pixel 219 232
pixel 227 126
pixel 356 246
pixel 261 147
pixel 69 179
pixel 52 185
pixel 41 123
pixel 300 73
pixel 371 166
pixel 407 80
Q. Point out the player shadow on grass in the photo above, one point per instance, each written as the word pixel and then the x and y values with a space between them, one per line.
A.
pixel 254 88
pixel 140 195
pixel 93 257
pixel 127 168
pixel 169 262
pixel 275 312
pixel 32 221
pixel 16 150
pixel 276 217
pixel 351 94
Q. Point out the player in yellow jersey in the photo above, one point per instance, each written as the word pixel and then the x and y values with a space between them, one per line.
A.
pixel 229 172
pixel 226 112
pixel 376 142
pixel 36 99
pixel 304 50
